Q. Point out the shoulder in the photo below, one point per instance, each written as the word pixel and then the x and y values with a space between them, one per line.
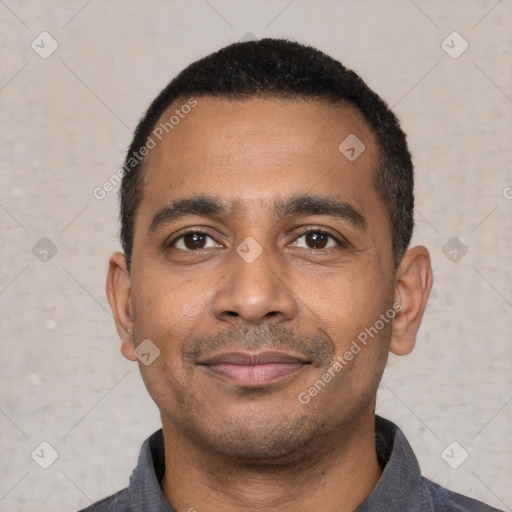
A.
pixel 444 500
pixel 117 502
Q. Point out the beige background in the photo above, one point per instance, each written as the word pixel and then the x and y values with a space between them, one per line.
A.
pixel 66 122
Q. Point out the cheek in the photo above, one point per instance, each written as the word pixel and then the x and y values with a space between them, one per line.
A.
pixel 165 310
pixel 350 308
pixel 346 300
pixel 165 303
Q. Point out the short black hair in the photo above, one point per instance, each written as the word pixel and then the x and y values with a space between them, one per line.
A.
pixel 280 68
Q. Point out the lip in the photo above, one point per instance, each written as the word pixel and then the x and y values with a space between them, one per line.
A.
pixel 250 358
pixel 254 369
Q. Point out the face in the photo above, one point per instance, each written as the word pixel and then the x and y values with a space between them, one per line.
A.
pixel 261 252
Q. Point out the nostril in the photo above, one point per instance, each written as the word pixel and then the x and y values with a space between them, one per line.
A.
pixel 232 313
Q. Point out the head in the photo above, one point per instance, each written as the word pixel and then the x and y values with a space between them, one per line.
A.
pixel 269 215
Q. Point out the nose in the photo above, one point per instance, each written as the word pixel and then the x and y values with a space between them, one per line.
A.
pixel 254 293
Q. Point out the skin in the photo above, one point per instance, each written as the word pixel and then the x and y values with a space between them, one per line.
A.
pixel 258 448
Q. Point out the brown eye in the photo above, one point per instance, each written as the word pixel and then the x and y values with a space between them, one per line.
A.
pixel 193 241
pixel 316 240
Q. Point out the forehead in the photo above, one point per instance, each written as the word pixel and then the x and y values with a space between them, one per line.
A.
pixel 300 124
pixel 248 152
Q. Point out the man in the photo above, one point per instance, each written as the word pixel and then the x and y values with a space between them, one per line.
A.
pixel 267 210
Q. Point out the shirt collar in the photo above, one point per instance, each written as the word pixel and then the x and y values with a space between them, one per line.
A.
pixel 399 483
pixel 145 482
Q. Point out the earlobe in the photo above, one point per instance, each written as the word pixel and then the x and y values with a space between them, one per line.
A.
pixel 118 287
pixel 412 289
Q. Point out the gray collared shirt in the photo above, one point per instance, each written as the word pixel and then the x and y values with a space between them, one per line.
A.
pixel 401 487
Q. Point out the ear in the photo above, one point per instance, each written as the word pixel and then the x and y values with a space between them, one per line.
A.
pixel 413 283
pixel 119 297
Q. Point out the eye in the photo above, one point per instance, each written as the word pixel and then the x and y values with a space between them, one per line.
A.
pixel 316 239
pixel 194 240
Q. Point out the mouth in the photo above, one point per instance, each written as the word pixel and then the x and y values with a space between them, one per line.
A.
pixel 254 369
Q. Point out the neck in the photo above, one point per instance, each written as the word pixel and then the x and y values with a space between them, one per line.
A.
pixel 337 474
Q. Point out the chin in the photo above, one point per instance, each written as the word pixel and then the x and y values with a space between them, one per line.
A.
pixel 264 442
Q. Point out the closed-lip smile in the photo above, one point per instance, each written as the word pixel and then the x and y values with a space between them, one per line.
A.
pixel 254 369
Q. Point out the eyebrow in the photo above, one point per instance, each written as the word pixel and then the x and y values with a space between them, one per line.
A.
pixel 299 205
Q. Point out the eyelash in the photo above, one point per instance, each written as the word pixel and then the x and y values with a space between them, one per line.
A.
pixel 342 243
